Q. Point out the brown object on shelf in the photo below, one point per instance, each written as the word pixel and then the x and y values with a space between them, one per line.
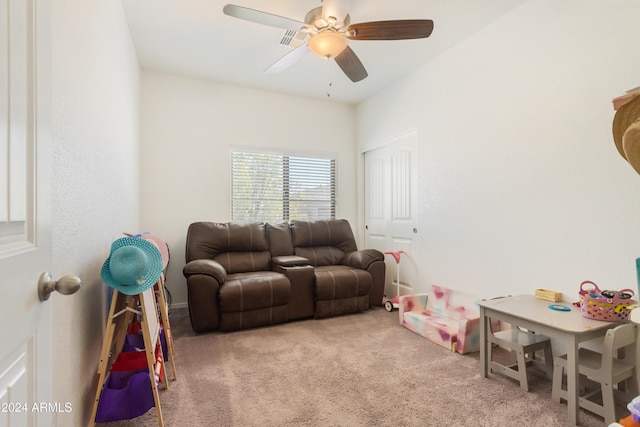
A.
pixel 548 295
pixel 621 100
pixel 631 143
pixel 625 116
pixel 626 130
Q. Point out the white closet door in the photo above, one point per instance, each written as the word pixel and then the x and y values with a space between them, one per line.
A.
pixel 390 205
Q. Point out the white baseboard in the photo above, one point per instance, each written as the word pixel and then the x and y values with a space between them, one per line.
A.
pixel 179 305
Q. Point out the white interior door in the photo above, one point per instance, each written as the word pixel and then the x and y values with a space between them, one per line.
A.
pixel 25 235
pixel 390 206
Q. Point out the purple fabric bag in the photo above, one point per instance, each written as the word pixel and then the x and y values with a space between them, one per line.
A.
pixel 135 342
pixel 125 395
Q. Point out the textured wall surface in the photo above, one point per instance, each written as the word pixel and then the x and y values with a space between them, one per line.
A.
pixel 519 181
pixel 188 128
pixel 95 181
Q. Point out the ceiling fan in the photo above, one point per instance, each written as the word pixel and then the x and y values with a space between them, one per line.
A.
pixel 329 30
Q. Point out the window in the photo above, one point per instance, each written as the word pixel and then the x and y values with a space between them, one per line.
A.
pixel 277 186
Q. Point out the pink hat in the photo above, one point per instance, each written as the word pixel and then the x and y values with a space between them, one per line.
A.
pixel 158 242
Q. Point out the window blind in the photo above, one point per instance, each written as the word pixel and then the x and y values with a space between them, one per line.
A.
pixel 277 186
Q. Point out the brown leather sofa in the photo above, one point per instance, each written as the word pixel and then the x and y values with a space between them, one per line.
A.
pixel 243 275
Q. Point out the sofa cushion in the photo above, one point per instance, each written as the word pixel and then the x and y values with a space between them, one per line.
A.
pixel 439 329
pixel 238 247
pixel 463 306
pixel 341 290
pixel 438 301
pixel 243 262
pixel 452 304
pixel 335 233
pixel 337 282
pixel 280 242
pixel 255 290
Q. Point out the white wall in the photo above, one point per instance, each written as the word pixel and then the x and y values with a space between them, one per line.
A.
pixel 94 183
pixel 188 127
pixel 520 184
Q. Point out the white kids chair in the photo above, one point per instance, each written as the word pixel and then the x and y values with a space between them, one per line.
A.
pixel 603 374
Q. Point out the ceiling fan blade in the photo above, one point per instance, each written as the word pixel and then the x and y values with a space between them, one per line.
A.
pixel 336 8
pixel 351 65
pixel 391 30
pixel 263 18
pixel 288 60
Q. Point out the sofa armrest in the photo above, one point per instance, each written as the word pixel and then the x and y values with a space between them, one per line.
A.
pixel 363 258
pixel 289 261
pixel 468 340
pixel 417 302
pixel 208 267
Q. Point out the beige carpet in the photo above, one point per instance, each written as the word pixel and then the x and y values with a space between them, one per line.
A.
pixel 356 370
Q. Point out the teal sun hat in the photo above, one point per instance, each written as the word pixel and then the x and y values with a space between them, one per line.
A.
pixel 133 266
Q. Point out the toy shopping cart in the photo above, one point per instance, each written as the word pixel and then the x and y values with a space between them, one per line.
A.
pixel 391 303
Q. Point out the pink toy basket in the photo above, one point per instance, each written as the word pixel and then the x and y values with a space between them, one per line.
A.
pixel 610 306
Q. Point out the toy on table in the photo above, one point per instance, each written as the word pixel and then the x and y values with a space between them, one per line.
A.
pixel 606 305
pixel 559 307
pixel 632 420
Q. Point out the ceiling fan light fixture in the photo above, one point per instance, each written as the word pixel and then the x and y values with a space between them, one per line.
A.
pixel 327 44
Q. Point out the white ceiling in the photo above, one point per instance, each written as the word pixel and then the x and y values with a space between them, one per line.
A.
pixel 194 38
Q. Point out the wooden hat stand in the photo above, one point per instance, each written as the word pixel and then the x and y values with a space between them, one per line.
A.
pixel 142 308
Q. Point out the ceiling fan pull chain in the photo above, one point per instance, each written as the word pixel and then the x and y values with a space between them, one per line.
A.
pixel 329 78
